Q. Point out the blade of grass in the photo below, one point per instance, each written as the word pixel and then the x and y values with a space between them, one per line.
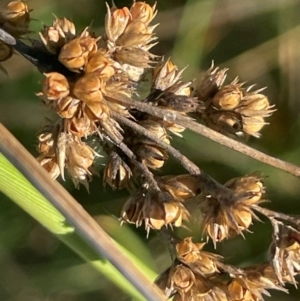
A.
pixel 190 39
pixel 68 220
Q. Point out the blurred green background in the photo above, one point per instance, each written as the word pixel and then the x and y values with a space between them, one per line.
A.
pixel 258 40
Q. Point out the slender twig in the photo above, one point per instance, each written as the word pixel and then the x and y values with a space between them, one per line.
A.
pixel 75 214
pixel 190 124
pixel 270 214
pixel 142 167
pixel 186 163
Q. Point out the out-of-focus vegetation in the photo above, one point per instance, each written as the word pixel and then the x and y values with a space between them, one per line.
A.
pixel 257 40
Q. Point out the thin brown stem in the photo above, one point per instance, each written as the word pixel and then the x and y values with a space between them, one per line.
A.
pixel 186 163
pixel 270 214
pixel 139 165
pixel 200 129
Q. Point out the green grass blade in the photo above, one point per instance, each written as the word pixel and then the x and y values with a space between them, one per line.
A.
pixel 19 190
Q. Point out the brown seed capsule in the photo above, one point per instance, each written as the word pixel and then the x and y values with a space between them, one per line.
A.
pixel 16 17
pixel 211 81
pixel 155 129
pixel 89 88
pixel 116 21
pixel 80 125
pixel 79 158
pixel 56 86
pixel 134 56
pixel 255 102
pixel 101 64
pixel 97 111
pixel 165 75
pixel 227 123
pixel 61 32
pixel 182 279
pixel 151 155
pixel 137 34
pixel 151 207
pixel 67 106
pixel 74 54
pixel 141 11
pixel 117 173
pixel 252 125
pixel 180 187
pixel 228 97
pixel 247 189
pixel 192 255
pixel 284 254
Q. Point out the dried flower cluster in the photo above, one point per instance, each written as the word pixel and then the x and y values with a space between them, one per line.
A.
pixel 93 87
pixel 231 109
pixel 14 18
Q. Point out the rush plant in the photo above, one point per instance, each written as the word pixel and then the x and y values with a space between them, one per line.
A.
pixel 93 84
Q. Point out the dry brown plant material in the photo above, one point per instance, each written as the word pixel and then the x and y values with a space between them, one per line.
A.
pixel 93 87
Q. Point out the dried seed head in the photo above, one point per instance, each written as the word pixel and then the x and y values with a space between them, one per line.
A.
pixel 141 11
pixel 165 75
pixel 100 64
pixel 16 12
pixel 180 187
pixel 151 155
pixel 66 107
pixel 56 36
pixel 252 284
pixel 55 86
pixel 5 52
pixel 211 81
pixel 89 89
pixel 154 128
pixel 155 209
pixel 254 103
pixel 227 123
pixel 116 21
pixel 136 57
pixel 74 54
pixel 284 254
pixel 228 97
pixel 191 254
pixel 136 34
pixel 15 18
pixel 79 158
pixel 182 279
pixel 117 173
pixel 227 212
pixel 252 125
pixel 247 189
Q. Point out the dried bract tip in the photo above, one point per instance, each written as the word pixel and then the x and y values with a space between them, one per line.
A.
pixel 56 36
pixel 141 11
pixel 117 173
pixel 211 81
pixel 116 21
pixel 284 254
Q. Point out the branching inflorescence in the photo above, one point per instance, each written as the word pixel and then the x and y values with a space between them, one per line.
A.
pixel 92 83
